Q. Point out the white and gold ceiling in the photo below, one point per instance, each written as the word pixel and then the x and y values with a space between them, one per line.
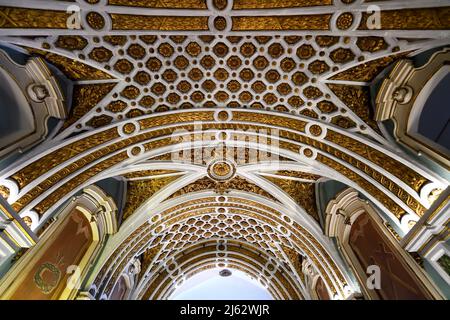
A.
pixel 296 74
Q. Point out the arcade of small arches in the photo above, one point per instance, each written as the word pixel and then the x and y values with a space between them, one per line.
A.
pixel 164 139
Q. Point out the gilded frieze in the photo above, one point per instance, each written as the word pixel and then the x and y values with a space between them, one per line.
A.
pixel 387 202
pixel 148 173
pixel 272 4
pixel 32 18
pixel 305 22
pixel 59 193
pixel 24 176
pixel 412 19
pixel 398 169
pixel 161 23
pixel 163 4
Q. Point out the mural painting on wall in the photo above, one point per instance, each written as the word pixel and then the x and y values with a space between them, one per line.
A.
pixel 371 248
pixel 321 290
pixel 47 277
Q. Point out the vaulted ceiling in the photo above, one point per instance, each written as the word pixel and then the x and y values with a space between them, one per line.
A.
pixel 157 80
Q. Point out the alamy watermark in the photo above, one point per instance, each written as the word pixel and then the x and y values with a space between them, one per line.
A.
pixel 246 146
pixel 373 282
pixel 74 21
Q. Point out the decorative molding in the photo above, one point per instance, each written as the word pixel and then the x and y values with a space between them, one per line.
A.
pixel 402 96
pixel 38 96
pixel 99 209
pixel 341 213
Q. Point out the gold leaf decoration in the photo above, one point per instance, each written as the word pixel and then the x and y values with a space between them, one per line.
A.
pixel 269 4
pixel 303 193
pixel 86 97
pixel 366 72
pixel 306 22
pixel 166 4
pixel 139 191
pixel 357 98
pixel 167 23
pixel 237 183
pixel 73 69
pixel 32 18
pixel 412 19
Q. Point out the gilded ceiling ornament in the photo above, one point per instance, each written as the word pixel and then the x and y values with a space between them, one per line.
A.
pixel 4 192
pixel 342 55
pixel 221 170
pixel 99 121
pixel 71 42
pixel 175 72
pixel 237 183
pixel 315 130
pixel 312 92
pixel 95 20
pixel 327 41
pixel 220 4
pixel 48 202
pixel 130 92
pixel 318 67
pixel 220 23
pixel 118 40
pixel 216 71
pixel 371 44
pixel 297 174
pixel 308 152
pixel 305 51
pixel 123 66
pixel 397 191
pixel 100 54
pixel 186 227
pixel 148 173
pixel 136 51
pixel 344 21
pixel 35 169
pixel 129 128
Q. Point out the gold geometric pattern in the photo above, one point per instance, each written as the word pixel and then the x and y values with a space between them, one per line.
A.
pixel 301 68
pixel 179 72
